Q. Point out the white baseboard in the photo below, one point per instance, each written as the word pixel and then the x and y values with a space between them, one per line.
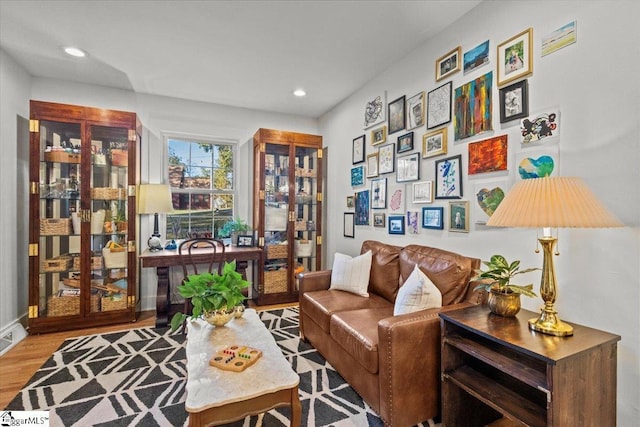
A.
pixel 11 335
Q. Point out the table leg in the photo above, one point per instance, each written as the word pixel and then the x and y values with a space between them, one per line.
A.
pixel 162 297
pixel 296 408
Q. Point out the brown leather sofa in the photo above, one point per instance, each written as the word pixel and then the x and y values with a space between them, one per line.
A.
pixel 393 362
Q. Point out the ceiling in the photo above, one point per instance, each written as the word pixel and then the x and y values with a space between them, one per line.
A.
pixel 250 54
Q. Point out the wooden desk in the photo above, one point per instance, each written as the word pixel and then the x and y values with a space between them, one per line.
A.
pixel 164 259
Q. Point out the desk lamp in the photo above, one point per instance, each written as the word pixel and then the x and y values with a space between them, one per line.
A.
pixel 551 202
pixel 154 199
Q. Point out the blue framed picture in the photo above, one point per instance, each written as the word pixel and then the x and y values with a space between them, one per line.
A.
pixel 396 224
pixel 357 176
pixel 432 218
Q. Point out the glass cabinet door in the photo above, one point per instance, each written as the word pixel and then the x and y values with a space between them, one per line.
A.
pixel 305 208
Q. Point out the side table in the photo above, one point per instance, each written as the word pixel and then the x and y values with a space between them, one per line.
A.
pixel 496 371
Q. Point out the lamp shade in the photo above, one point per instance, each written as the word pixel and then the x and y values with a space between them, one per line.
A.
pixel 154 198
pixel 552 202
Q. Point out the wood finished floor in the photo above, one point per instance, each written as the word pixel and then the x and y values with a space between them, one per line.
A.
pixel 19 364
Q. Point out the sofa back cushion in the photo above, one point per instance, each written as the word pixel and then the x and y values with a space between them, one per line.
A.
pixel 385 269
pixel 449 271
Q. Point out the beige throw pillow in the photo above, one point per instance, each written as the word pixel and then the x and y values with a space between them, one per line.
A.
pixel 351 274
pixel 417 293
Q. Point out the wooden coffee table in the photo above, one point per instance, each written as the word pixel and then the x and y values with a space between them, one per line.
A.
pixel 216 396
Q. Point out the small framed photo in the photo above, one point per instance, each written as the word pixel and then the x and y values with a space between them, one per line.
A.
pixel 358 150
pixel 415 111
pixel 379 193
pixel 432 218
pixel 459 216
pixel 349 229
pixel 408 168
pixel 378 219
pixel 245 240
pixel 397 115
pixel 423 192
pixel 372 165
pixel 357 176
pixel 448 63
pixel 405 142
pixel 386 158
pixel 439 106
pixel 434 143
pixel 515 57
pixel 351 202
pixel 396 224
pixel 514 102
pixel 449 178
pixel 413 222
pixel 379 135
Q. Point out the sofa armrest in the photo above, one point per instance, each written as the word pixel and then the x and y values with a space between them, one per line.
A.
pixel 314 281
pixel 409 364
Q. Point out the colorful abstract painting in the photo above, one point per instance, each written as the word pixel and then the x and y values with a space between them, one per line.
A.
pixel 357 176
pixel 540 127
pixel 396 199
pixel 362 207
pixel 472 107
pixel 488 155
pixel 488 197
pixel 537 163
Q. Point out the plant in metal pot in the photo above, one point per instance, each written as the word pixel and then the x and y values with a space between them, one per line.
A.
pixel 504 296
pixel 232 228
pixel 214 297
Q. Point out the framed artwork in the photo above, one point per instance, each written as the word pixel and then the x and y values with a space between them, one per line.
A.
pixel 349 229
pixel 379 193
pixel 351 202
pixel 515 57
pixel 472 107
pixel 405 142
pixel 448 63
pixel 396 198
pixel 245 240
pixel 358 150
pixel 562 37
pixel 357 176
pixel 415 111
pixel 439 106
pixel 362 207
pixel 386 158
pixel 488 155
pixel 476 57
pixel 514 102
pixel 487 197
pixel 397 115
pixel 413 222
pixel 374 110
pixel 449 178
pixel 378 219
pixel 541 127
pixel 423 192
pixel 434 143
pixel 408 168
pixel 459 216
pixel 538 163
pixel 372 165
pixel 396 224
pixel 432 218
pixel 379 135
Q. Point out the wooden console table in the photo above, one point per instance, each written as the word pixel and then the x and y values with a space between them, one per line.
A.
pixel 496 371
pixel 164 259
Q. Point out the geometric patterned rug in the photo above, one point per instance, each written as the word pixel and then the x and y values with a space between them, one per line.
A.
pixel 137 377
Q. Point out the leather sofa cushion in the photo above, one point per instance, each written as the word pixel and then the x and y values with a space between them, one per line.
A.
pixel 385 269
pixel 356 332
pixel 320 305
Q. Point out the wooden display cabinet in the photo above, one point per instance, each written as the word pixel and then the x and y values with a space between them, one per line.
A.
pixel 82 209
pixel 287 211
pixel 498 372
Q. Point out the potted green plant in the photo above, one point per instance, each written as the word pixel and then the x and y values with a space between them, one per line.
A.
pixel 232 229
pixel 504 296
pixel 214 297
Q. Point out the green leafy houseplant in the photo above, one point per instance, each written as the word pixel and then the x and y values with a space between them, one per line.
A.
pixel 235 225
pixel 498 277
pixel 210 292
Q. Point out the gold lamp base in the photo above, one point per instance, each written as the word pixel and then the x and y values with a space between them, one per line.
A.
pixel 548 323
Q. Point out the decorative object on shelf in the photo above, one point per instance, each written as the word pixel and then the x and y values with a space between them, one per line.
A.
pixel 488 155
pixel 379 193
pixel 432 218
pixel 397 115
pixel 459 216
pixel 379 135
pixel 386 158
pixel 244 240
pixel 372 165
pixel 504 296
pixel 374 110
pixel 405 142
pixel 358 153
pixel 348 225
pixel 415 111
pixel 515 57
pixel 154 199
pixel 439 106
pixel 396 224
pixel 476 57
pixel 449 178
pixel 408 168
pixel 551 202
pixel 434 143
pixel 213 296
pixel 423 192
pixel 448 63
pixel 472 107
pixel 233 229
pixel 514 102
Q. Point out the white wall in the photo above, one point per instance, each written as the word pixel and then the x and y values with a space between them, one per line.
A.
pixel 594 84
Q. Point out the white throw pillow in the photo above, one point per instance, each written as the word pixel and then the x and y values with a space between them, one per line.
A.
pixel 417 293
pixel 351 274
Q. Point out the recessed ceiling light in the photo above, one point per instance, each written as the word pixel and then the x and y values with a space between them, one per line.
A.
pixel 299 92
pixel 74 51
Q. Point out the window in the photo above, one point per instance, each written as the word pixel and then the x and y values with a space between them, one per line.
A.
pixel 202 187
